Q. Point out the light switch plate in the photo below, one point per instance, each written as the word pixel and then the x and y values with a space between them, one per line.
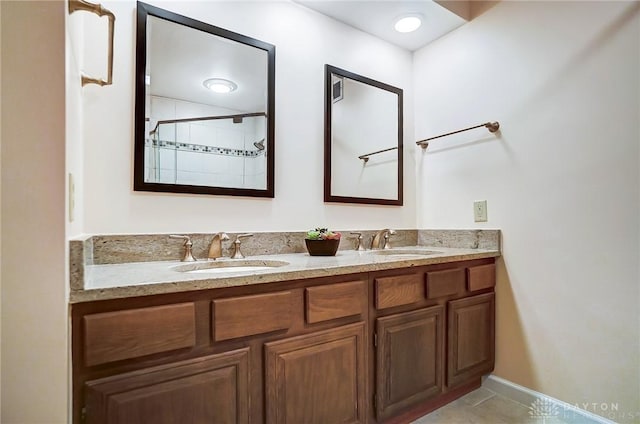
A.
pixel 480 211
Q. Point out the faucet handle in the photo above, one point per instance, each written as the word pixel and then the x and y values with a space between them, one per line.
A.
pixel 358 240
pixel 237 254
pixel 387 236
pixel 188 256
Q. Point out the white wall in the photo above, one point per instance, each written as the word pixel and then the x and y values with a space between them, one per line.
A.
pixel 304 41
pixel 34 343
pixel 562 183
pixel 74 46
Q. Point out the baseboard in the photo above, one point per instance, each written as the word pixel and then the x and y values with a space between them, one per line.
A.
pixel 540 405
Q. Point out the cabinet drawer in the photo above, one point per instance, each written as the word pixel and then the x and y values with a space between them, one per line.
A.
pixel 445 283
pixel 481 277
pixel 398 290
pixel 248 315
pixel 113 336
pixel 332 301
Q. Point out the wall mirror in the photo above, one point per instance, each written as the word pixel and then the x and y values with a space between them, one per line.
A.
pixel 204 113
pixel 363 139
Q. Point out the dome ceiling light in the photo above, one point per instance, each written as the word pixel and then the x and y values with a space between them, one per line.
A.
pixel 408 23
pixel 220 85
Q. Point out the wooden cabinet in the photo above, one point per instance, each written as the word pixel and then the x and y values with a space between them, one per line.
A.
pixel 434 328
pixel 243 316
pixel 317 378
pixel 324 303
pixel 398 290
pixel 212 389
pixel 409 359
pixel 471 347
pixel 113 336
pixel 361 348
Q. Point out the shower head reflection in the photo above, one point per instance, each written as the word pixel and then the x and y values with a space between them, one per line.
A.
pixel 259 144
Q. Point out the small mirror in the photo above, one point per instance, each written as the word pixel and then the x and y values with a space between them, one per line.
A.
pixel 204 108
pixel 363 139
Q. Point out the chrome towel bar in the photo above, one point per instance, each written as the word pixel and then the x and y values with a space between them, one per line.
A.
pixel 82 5
pixel 491 126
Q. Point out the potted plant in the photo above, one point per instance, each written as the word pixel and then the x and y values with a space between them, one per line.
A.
pixel 322 242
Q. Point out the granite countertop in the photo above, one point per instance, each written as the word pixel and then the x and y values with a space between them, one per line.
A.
pixel 113 281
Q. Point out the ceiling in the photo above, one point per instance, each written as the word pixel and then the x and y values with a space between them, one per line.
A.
pixel 180 59
pixel 377 17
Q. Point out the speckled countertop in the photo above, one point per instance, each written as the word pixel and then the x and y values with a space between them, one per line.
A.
pixel 113 281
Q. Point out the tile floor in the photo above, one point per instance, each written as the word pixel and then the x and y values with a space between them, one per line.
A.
pixel 482 406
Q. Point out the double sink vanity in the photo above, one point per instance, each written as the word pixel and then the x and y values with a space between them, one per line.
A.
pixel 279 336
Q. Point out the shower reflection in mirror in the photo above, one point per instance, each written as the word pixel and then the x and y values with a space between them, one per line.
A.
pixel 218 151
pixel 204 108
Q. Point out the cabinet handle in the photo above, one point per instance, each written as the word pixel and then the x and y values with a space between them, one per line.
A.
pixel 79 5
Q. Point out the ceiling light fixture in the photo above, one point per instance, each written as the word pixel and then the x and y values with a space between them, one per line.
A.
pixel 220 85
pixel 408 23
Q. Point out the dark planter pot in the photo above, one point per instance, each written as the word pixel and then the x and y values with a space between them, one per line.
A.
pixel 322 247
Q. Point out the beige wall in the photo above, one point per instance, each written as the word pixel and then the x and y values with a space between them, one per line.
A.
pixel 34 309
pixel 561 180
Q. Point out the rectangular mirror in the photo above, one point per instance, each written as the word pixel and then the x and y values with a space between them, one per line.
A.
pixel 363 139
pixel 204 114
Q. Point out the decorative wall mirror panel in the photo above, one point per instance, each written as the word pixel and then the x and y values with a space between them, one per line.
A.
pixel 204 114
pixel 363 139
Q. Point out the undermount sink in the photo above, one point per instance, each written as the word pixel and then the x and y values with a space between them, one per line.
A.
pixel 219 267
pixel 404 252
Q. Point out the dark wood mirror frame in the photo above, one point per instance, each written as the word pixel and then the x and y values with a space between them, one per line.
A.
pixel 143 11
pixel 328 102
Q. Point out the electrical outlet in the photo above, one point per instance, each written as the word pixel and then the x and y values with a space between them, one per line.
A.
pixel 480 211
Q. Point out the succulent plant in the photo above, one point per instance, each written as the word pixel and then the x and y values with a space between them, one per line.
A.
pixel 323 234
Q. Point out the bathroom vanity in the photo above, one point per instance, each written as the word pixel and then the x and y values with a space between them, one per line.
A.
pixel 366 338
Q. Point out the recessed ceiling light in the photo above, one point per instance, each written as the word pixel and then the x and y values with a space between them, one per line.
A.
pixel 408 23
pixel 220 85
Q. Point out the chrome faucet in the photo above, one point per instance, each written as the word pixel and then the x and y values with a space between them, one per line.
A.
pixel 382 236
pixel 188 256
pixel 215 248
pixel 237 254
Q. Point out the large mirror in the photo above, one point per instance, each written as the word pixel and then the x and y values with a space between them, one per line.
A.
pixel 204 114
pixel 363 139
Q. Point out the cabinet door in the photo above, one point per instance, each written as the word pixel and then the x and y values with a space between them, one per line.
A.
pixel 212 389
pixel 410 353
pixel 471 351
pixel 317 378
